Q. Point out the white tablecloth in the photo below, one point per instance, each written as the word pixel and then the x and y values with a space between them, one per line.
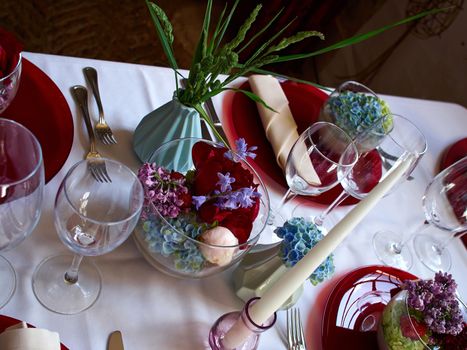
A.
pixel 155 311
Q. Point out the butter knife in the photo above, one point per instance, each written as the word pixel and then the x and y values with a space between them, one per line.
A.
pixel 115 341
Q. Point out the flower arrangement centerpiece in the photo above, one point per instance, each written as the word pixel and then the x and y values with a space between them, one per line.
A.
pixel 259 270
pixel 203 214
pixel 426 314
pixel 216 65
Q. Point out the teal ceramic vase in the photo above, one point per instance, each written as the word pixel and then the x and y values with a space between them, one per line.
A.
pixel 171 121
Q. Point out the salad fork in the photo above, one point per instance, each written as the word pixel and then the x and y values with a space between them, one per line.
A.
pixel 295 336
pixel 96 164
pixel 103 131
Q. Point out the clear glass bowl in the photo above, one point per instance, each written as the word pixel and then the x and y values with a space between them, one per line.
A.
pixel 398 331
pixel 9 85
pixel 167 244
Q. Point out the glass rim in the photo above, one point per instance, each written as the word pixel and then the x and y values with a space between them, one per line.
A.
pixel 351 144
pixel 136 212
pixel 417 153
pixel 250 168
pixel 13 72
pixel 340 87
pixel 37 144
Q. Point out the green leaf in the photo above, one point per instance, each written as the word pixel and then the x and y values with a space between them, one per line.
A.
pixel 263 71
pixel 217 30
pixel 201 48
pixel 225 25
pixel 252 96
pixel 164 31
pixel 360 37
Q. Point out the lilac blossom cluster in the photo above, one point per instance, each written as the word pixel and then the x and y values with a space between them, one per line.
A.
pixel 436 300
pixel 162 189
pixel 226 198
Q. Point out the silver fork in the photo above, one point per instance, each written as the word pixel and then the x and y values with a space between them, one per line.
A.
pixel 295 336
pixel 103 131
pixel 96 164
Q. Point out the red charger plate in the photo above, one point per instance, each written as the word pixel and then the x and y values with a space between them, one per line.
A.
pixel 6 321
pixel 355 304
pixel 241 119
pixel 41 107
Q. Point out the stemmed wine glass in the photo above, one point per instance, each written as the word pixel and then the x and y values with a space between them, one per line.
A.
pixel 21 192
pixel 404 140
pixel 92 218
pixel 320 158
pixel 445 206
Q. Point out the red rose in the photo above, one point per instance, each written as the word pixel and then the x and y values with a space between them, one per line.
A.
pixel 240 224
pixel 209 212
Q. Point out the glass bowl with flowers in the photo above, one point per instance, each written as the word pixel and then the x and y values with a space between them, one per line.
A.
pixel 425 314
pixel 205 207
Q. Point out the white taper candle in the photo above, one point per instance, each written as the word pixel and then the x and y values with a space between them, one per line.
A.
pixel 280 291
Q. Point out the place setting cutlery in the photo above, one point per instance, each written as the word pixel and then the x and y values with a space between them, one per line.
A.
pixel 295 335
pixel 103 131
pixel 97 164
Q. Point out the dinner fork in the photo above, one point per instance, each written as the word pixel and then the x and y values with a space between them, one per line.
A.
pixel 96 164
pixel 103 131
pixel 295 336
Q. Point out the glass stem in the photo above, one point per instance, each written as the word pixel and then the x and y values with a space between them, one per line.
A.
pixel 399 245
pixel 71 276
pixel 454 233
pixel 284 200
pixel 320 219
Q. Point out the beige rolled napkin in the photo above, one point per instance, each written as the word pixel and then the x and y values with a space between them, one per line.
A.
pixel 280 126
pixel 20 337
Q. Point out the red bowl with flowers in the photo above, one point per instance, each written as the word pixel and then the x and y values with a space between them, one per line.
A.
pixel 205 207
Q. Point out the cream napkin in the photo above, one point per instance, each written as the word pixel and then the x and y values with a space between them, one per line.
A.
pixel 280 127
pixel 20 337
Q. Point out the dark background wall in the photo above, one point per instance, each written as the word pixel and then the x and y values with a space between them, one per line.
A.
pixel 425 61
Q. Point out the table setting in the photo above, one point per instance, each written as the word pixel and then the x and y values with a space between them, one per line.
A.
pixel 252 212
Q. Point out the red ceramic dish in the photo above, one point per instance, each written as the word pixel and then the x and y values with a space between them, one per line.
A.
pixel 6 322
pixel 242 120
pixel 41 107
pixel 354 307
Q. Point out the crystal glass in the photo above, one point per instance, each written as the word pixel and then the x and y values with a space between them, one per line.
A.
pixel 9 85
pixel 445 206
pixel 172 246
pixel 402 141
pixel 92 218
pixel 227 321
pixel 321 157
pixel 21 192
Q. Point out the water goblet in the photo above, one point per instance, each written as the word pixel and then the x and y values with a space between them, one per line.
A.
pixel 9 85
pixel 445 207
pixel 403 141
pixel 320 158
pixel 21 192
pixel 92 218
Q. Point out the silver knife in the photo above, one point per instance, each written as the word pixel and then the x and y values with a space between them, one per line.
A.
pixel 115 341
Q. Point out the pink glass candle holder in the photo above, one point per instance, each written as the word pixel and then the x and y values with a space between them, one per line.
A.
pixel 226 322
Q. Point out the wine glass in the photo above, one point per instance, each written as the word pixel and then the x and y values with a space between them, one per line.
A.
pixel 92 218
pixel 21 192
pixel 404 140
pixel 445 207
pixel 9 85
pixel 320 158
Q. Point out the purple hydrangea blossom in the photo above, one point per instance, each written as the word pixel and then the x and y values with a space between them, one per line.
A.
pixel 243 151
pixel 436 300
pixel 161 191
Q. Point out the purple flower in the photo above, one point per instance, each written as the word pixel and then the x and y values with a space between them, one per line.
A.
pixel 225 181
pixel 198 201
pixel 242 151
